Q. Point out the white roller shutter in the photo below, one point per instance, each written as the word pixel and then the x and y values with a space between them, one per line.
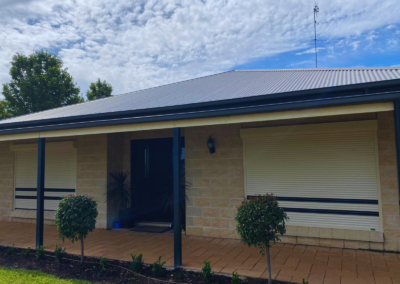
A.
pixel 60 174
pixel 323 175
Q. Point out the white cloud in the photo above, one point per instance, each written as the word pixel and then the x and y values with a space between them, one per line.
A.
pixel 305 63
pixel 391 27
pixel 311 50
pixel 135 44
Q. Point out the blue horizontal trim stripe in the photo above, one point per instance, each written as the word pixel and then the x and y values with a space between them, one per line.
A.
pixel 34 197
pixel 328 200
pixel 324 200
pixel 47 189
pixel 330 211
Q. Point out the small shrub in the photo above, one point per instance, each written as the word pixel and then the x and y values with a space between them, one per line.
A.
pixel 235 278
pixel 75 218
pixel 10 250
pixel 25 253
pixel 304 281
pixel 40 253
pixel 260 222
pixel 104 263
pixel 158 269
pixel 137 263
pixel 59 253
pixel 206 273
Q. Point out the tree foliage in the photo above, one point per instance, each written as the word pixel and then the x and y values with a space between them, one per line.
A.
pixel 260 221
pixel 38 82
pixel 76 217
pixel 3 110
pixel 99 90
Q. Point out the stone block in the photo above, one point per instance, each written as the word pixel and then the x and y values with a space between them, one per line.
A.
pixel 227 213
pixel 202 222
pixel 211 212
pixel 302 231
pixel 193 211
pixel 219 202
pixel 375 236
pixel 220 223
pixel 325 233
pixel 338 234
pixel 212 232
pixel 194 231
pixel 201 182
pixel 391 245
pixel 202 202
pixel 308 241
pixel 313 232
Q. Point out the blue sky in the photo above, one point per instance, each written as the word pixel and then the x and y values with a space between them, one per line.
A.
pixel 377 48
pixel 136 44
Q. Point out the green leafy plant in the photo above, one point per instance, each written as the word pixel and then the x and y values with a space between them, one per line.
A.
pixel 10 250
pixel 206 273
pixel 59 253
pixel 260 221
pixel 137 263
pixel 38 82
pixel 158 269
pixel 26 252
pixel 119 191
pixel 104 263
pixel 75 218
pixel 235 278
pixel 40 252
pixel 305 282
pixel 99 90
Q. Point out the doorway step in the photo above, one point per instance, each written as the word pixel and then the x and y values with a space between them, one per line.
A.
pixel 152 227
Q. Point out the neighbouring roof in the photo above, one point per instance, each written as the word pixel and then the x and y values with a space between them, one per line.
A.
pixel 220 87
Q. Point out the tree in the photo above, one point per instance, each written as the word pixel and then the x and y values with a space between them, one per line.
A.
pixel 75 218
pixel 3 110
pixel 260 221
pixel 99 90
pixel 38 82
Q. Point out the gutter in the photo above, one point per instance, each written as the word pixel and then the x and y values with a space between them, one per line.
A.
pixel 228 111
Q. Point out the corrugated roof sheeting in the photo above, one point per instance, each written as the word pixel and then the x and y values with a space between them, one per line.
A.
pixel 222 86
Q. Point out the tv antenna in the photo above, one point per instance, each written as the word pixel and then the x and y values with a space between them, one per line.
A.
pixel 316 11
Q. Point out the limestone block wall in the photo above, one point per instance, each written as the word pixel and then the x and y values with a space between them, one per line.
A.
pixel 216 180
pixel 6 180
pixel 389 183
pixel 92 172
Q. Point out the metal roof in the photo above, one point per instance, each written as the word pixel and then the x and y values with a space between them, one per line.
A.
pixel 220 87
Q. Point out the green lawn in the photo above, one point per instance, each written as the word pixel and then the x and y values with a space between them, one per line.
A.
pixel 22 276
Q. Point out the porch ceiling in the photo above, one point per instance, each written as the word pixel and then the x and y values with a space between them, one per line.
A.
pixel 289 262
pixel 313 112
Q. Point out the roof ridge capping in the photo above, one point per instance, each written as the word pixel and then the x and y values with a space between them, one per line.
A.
pixel 320 69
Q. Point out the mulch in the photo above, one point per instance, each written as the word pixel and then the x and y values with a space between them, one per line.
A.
pixel 71 268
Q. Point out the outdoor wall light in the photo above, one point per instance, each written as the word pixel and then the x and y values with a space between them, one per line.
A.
pixel 211 145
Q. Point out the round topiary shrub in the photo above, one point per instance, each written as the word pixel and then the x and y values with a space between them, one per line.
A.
pixel 75 218
pixel 260 221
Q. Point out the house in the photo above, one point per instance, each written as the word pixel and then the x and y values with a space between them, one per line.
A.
pixel 322 140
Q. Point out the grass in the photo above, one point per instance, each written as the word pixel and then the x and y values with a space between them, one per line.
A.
pixel 22 276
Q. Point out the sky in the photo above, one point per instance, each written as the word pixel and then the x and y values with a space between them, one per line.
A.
pixel 135 44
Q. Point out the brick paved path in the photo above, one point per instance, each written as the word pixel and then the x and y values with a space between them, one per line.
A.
pixel 290 262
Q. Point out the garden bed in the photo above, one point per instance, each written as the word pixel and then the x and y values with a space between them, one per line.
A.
pixel 71 268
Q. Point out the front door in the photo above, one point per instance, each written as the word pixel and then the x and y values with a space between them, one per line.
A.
pixel 152 183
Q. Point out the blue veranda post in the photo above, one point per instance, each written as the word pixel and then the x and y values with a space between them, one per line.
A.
pixel 40 192
pixel 177 197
